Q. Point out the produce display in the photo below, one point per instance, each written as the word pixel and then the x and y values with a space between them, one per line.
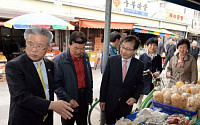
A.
pixel 178 120
pixel 154 116
pixel 184 96
pixel 181 100
pixel 146 116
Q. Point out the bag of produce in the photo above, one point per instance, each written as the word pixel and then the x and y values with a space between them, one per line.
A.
pixel 164 90
pixel 184 89
pixel 197 97
pixel 192 104
pixel 175 89
pixel 167 97
pixel 194 90
pixel 158 96
pixel 177 100
pixel 185 98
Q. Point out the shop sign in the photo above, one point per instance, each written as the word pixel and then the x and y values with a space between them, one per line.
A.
pixel 174 16
pixel 195 24
pixel 138 7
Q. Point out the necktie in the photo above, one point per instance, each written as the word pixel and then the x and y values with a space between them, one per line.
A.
pixel 124 69
pixel 42 81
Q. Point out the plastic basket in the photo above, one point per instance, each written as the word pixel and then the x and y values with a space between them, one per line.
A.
pixel 172 109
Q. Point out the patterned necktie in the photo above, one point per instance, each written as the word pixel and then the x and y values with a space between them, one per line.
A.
pixel 124 69
pixel 42 81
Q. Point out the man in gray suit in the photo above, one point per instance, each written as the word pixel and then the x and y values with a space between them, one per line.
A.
pixel 194 50
pixel 160 48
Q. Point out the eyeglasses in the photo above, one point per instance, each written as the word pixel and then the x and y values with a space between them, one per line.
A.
pixel 81 49
pixel 38 47
pixel 129 49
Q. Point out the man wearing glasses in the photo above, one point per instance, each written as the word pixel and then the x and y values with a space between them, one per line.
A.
pixel 73 78
pixel 30 82
pixel 122 81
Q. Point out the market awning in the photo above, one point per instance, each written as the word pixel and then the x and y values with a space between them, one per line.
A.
pixel 155 31
pixel 101 24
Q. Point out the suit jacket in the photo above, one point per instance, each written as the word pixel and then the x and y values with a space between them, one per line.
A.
pixel 66 83
pixel 113 89
pixel 170 50
pixel 28 105
pixel 154 65
pixel 194 52
pixel 160 49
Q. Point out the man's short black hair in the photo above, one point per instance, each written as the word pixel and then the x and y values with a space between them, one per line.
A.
pixel 76 36
pixel 183 41
pixel 132 38
pixel 114 36
pixel 152 40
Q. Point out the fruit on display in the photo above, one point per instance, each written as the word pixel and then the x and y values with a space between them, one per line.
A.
pixel 179 83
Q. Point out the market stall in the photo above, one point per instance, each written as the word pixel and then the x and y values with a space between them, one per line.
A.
pixel 178 105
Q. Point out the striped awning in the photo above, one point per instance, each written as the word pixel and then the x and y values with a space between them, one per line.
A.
pixel 155 31
pixel 101 24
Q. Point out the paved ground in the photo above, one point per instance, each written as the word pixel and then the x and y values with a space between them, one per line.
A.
pixel 5 99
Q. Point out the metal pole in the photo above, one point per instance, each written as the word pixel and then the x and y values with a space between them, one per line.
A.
pixel 106 44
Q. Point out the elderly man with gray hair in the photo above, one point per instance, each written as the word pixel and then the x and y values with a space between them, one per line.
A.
pixel 194 49
pixel 30 81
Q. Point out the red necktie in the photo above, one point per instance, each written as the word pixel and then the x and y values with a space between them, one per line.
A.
pixel 124 69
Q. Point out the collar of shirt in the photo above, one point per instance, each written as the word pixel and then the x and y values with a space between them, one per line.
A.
pixel 114 48
pixel 151 55
pixel 42 63
pixel 128 62
pixel 45 77
pixel 73 58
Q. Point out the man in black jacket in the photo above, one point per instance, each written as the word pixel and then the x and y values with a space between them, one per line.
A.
pixel 73 78
pixel 170 48
pixel 122 81
pixel 30 82
pixel 160 50
pixel 194 50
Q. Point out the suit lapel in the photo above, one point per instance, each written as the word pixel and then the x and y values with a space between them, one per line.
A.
pixel 119 66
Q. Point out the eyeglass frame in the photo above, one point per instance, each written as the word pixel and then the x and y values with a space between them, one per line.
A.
pixel 121 46
pixel 38 47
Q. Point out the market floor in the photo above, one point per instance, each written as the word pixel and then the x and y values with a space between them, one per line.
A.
pixel 5 98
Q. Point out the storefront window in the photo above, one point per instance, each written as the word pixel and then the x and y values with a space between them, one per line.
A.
pixel 5 31
pixel 17 32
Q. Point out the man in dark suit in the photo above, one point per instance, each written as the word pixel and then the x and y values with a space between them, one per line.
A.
pixel 194 50
pixel 122 81
pixel 170 48
pixel 160 49
pixel 30 82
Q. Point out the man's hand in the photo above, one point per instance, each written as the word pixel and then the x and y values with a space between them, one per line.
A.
pixel 102 106
pixel 62 108
pixel 156 74
pixel 130 101
pixel 168 75
pixel 73 103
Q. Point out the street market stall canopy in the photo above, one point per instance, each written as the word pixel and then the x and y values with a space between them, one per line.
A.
pixel 194 4
pixel 101 24
pixel 155 31
pixel 38 19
